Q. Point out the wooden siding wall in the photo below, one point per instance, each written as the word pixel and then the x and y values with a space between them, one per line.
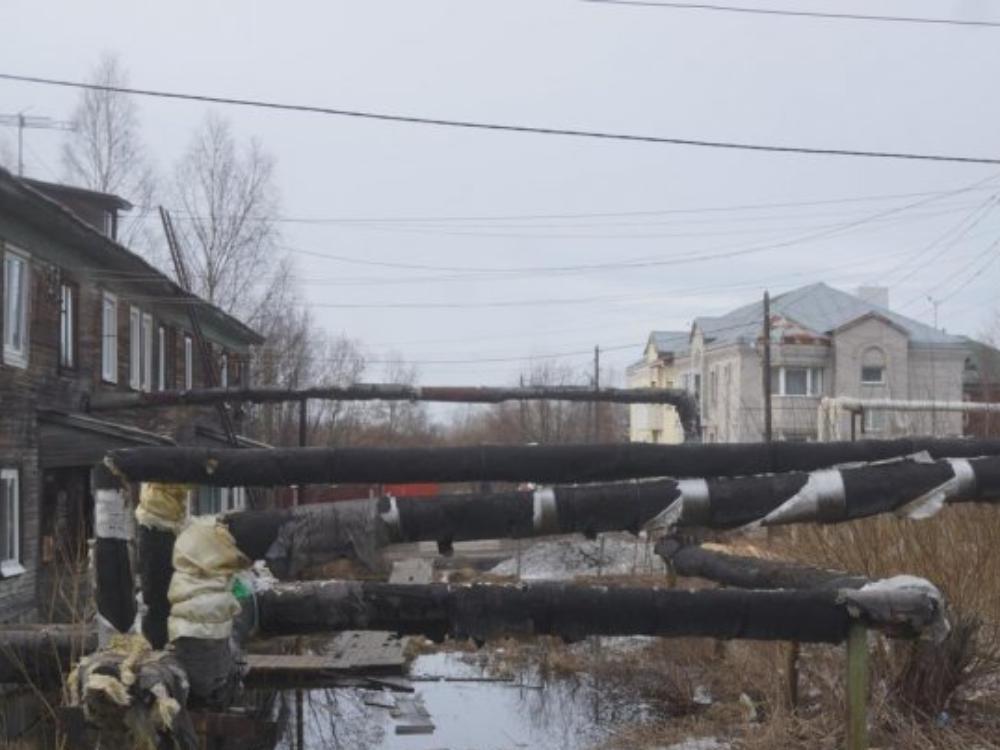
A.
pixel 44 385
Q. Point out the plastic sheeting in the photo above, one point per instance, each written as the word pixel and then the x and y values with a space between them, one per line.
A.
pixel 162 506
pixel 205 559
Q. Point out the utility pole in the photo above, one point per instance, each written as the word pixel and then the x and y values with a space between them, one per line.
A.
pixel 22 121
pixel 935 303
pixel 523 413
pixel 766 370
pixel 597 386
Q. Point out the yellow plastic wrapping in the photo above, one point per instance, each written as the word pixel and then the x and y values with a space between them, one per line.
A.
pixel 205 559
pixel 162 506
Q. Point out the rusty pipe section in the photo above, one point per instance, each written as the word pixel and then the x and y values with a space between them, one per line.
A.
pixel 684 402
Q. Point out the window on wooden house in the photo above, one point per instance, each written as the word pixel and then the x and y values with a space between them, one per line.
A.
pixel 188 363
pixel 67 326
pixel 140 350
pixel 147 352
pixel 161 358
pixel 109 338
pixel 15 312
pixel 10 523
pixel 211 501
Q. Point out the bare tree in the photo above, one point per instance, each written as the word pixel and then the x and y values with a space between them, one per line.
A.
pixel 298 354
pixel 228 203
pixel 105 152
pixel 541 421
pixel 397 422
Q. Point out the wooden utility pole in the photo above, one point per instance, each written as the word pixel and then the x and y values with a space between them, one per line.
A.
pixel 766 369
pixel 792 657
pixel 596 428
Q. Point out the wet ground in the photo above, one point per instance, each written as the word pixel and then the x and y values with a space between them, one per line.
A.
pixel 471 710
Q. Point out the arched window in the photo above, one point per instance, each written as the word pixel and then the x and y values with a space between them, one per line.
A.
pixel 873 366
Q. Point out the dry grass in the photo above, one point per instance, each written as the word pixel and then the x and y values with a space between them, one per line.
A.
pixel 923 696
pixel 959 551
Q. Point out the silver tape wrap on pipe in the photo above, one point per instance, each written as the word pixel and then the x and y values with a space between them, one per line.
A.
pixel 965 477
pixel 822 498
pixel 391 517
pixel 693 507
pixel 112 519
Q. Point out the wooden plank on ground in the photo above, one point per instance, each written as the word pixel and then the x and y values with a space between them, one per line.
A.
pixel 412 570
pixel 411 716
pixel 353 657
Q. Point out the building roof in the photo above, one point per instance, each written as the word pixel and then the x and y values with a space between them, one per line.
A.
pixel 669 342
pixel 67 439
pixel 821 309
pixel 56 189
pixel 23 199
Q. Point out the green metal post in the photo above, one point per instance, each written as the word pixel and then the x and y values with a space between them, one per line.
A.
pixel 857 687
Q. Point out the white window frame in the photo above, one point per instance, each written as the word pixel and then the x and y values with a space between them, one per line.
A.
pixel 134 348
pixel 221 500
pixel 10 509
pixel 814 382
pixel 233 498
pixel 161 345
pixel 109 338
pixel 188 363
pixel 224 370
pixel 880 381
pixel 67 326
pixel 16 326
pixel 147 352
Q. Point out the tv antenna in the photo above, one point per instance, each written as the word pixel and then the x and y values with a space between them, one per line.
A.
pixel 21 121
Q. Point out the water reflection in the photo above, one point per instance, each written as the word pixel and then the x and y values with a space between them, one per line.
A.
pixel 566 712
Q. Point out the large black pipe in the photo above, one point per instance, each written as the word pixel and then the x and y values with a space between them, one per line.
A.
pixel 296 538
pixel 535 463
pixel 114 584
pixel 571 611
pixel 695 561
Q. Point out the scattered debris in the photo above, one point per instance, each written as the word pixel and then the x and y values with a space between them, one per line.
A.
pixel 571 557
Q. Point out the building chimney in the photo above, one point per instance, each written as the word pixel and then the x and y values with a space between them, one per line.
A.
pixel 874 295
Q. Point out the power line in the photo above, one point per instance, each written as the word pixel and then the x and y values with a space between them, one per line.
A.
pixel 713 254
pixel 956 233
pixel 734 208
pixel 667 5
pixel 504 127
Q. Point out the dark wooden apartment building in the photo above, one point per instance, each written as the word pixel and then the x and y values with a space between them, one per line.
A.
pixel 83 314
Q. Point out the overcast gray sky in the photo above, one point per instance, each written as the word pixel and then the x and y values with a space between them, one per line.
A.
pixel 454 199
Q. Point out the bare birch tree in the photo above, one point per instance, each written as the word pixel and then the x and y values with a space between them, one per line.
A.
pixel 105 151
pixel 228 202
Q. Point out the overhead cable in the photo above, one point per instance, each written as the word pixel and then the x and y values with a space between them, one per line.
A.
pixel 506 127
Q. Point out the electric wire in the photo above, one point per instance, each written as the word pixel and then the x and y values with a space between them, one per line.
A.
pixel 507 127
pixel 669 5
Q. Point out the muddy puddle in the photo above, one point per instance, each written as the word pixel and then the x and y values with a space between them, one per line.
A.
pixel 470 708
